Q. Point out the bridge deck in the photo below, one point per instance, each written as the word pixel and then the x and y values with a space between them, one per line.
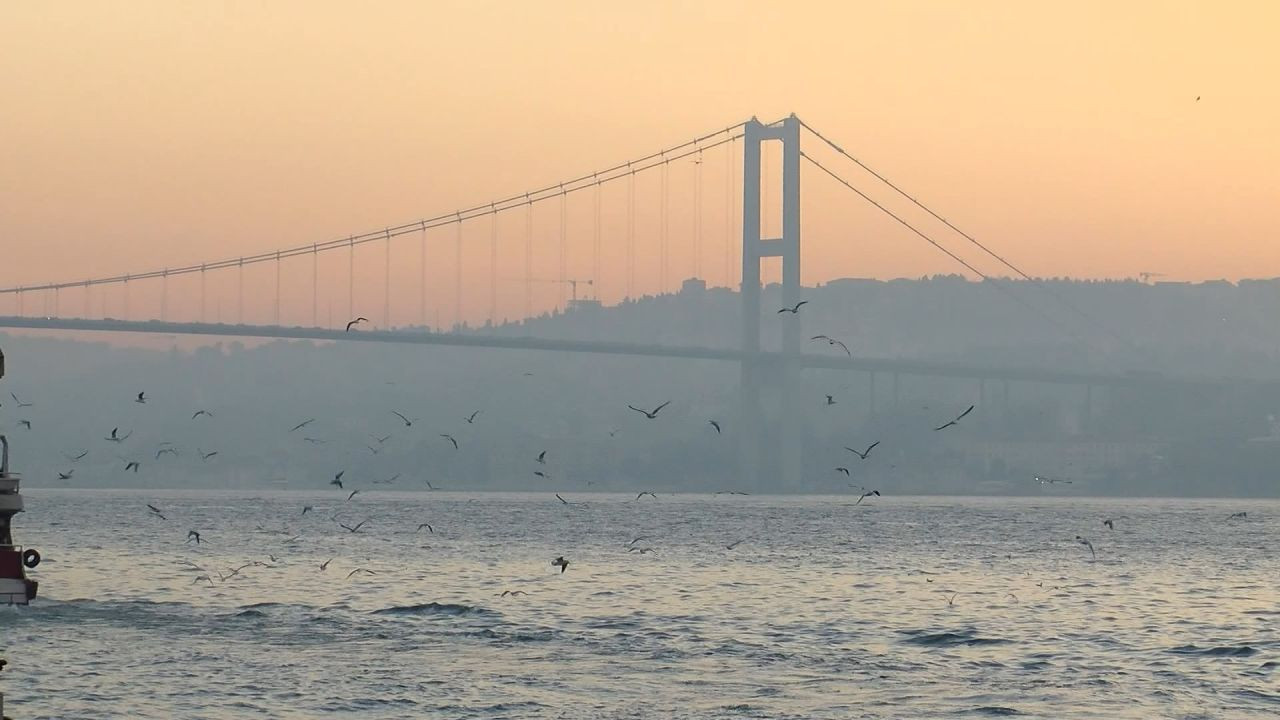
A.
pixel 880 365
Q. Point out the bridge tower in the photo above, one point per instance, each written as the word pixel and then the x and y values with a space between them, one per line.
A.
pixel 770 434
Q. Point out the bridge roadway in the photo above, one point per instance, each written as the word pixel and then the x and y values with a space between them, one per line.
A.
pixel 922 368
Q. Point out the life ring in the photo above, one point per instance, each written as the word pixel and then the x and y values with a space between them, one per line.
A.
pixel 30 558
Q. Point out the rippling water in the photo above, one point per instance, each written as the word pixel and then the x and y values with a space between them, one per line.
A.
pixel 824 610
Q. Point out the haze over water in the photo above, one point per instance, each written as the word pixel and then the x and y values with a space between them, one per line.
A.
pixel 825 609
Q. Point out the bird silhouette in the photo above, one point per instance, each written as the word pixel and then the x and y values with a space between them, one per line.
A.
pixel 20 403
pixel 866 494
pixel 472 418
pixel 133 465
pixel 650 414
pixel 303 424
pixel 795 309
pixel 957 420
pixel 561 563
pixel 25 423
pixel 117 438
pixel 427 526
pixel 450 438
pixel 355 322
pixel 198 413
pixel 542 458
pixel 407 421
pixel 1085 542
pixel 864 453
pixel 142 398
pixel 715 425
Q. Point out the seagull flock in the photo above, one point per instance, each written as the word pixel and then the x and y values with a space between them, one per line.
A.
pixel 194 536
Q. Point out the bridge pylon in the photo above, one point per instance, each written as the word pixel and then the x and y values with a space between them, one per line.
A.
pixel 770 437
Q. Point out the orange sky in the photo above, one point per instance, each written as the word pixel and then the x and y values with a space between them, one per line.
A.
pixel 146 134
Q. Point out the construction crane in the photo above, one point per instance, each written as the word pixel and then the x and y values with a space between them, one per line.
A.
pixel 1146 276
pixel 571 282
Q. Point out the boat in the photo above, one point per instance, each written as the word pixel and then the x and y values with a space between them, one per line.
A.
pixel 15 587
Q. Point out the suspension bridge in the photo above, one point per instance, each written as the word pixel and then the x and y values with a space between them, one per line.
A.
pixel 431 304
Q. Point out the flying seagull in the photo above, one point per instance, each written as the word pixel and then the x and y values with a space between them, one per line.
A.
pixel 715 425
pixel 78 458
pixel 866 494
pixel 542 475
pixel 204 456
pixel 649 414
pixel 957 420
pixel 206 413
pixel 303 424
pixel 156 511
pixel 864 453
pixel 427 526
pixel 407 421
pixel 337 479
pixel 325 565
pixel 566 502
pixel 512 593
pixel 306 509
pixel 795 309
pixel 1109 523
pixel 831 400
pixel 1085 542
pixel 542 458
pixel 353 494
pixel 116 438
pixel 166 451
pixel 561 563
pixel 844 470
pixel 193 535
pixel 646 492
pixel 133 465
pixel 25 423
pixel 360 570
pixel 355 529
pixel 65 475
pixel 142 398
pixel 833 342
pixel 20 403
pixel 355 322
pixel 472 418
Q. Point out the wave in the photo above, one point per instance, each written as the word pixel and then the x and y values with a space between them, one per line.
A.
pixel 950 639
pixel 1220 651
pixel 433 608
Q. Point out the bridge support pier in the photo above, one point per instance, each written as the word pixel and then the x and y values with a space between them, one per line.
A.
pixel 785 462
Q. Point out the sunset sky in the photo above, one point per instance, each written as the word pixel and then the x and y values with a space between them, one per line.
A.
pixel 143 135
